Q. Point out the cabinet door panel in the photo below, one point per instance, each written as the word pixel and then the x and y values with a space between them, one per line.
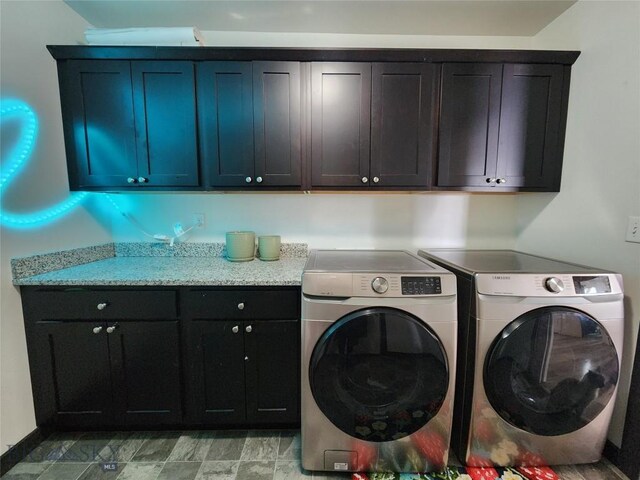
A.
pixel 528 155
pixel 165 107
pixel 225 113
pixel 276 114
pixel 340 123
pixel 145 360
pixel 273 371
pixel 216 374
pixel 71 375
pixel 469 122
pixel 97 108
pixel 402 123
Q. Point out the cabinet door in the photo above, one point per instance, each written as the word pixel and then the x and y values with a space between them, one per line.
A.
pixel 273 371
pixel 97 109
pixel 216 373
pixel 70 374
pixel 402 124
pixel 165 111
pixel 145 361
pixel 225 112
pixel 276 120
pixel 528 155
pixel 340 124
pixel 469 123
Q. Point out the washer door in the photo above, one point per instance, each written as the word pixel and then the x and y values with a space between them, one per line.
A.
pixel 551 371
pixel 379 374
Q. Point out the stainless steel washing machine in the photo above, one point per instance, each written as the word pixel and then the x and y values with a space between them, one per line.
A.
pixel 540 344
pixel 378 357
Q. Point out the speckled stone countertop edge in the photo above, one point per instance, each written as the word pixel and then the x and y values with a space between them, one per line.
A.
pixel 86 266
pixel 29 266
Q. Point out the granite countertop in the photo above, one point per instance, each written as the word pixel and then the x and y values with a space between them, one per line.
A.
pixel 115 265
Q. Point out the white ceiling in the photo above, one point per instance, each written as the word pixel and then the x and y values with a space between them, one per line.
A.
pixel 396 17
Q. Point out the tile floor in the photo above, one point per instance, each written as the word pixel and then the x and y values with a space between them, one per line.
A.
pixel 198 455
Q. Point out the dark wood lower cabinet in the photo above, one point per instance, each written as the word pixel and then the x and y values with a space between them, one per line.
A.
pixel 244 372
pixel 70 373
pixel 105 358
pixel 145 370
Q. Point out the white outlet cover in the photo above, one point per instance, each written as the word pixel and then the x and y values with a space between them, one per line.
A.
pixel 633 229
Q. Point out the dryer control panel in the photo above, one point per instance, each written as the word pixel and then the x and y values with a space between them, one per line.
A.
pixel 548 285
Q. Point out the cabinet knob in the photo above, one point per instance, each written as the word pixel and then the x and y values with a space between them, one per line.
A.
pixel 235 329
pixel 246 359
pixel 501 180
pixel 112 328
pixel 248 179
pixel 241 306
pixel 97 330
pixel 143 179
pixel 364 179
pixel 491 180
pixel 248 329
pixel 101 306
pixel 259 179
pixel 376 179
pixel 131 180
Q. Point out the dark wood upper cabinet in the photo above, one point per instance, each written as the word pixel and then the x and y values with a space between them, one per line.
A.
pixel 530 147
pixel 225 112
pixel 129 124
pixel 256 118
pixel 469 124
pixel 250 123
pixel 99 128
pixel 276 123
pixel 501 126
pixel 403 117
pixel 340 124
pixel 164 100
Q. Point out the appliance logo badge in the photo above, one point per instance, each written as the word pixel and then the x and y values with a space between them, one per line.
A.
pixel 501 277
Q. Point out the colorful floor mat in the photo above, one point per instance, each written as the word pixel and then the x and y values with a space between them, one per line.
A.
pixel 467 473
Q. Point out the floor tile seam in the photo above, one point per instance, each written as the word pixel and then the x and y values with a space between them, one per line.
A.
pixel 43 472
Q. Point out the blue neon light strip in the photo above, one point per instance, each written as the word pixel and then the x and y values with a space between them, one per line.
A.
pixel 17 159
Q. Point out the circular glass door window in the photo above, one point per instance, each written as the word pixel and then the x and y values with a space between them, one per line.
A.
pixel 379 374
pixel 551 371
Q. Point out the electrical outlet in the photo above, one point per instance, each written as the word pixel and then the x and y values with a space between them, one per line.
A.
pixel 633 230
pixel 199 220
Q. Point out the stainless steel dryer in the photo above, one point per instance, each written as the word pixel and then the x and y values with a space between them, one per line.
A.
pixel 378 356
pixel 540 344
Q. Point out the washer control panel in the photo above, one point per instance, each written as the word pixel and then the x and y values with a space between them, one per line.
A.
pixel 421 285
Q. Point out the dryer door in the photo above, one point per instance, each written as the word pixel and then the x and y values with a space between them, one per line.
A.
pixel 551 371
pixel 379 374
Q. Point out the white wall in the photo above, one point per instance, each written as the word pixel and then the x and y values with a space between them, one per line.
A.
pixel 586 221
pixel 28 73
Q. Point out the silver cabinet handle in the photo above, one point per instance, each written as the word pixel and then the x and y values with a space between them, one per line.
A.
pixel 112 328
pixel 248 179
pixel 131 180
pixel 143 180
pixel 376 179
pixel 235 329
pixel 248 329
pixel 501 180
pixel 241 306
pixel 364 179
pixel 259 179
pixel 97 330
pixel 491 180
pixel 246 359
pixel 101 306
